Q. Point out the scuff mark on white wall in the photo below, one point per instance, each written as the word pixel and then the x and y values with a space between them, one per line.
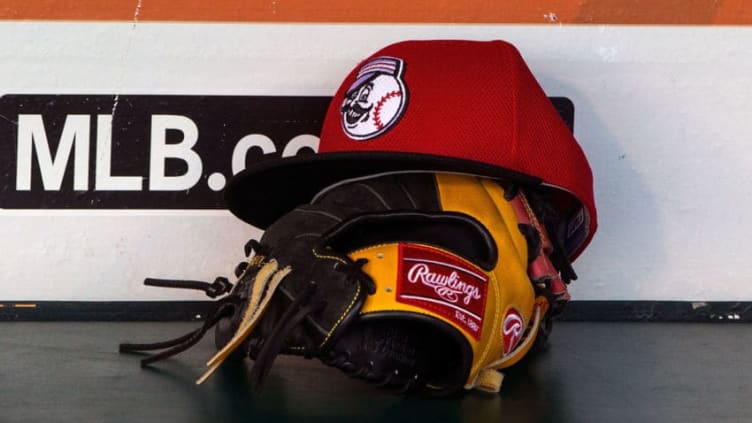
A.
pixel 136 12
pixel 608 53
pixel 124 60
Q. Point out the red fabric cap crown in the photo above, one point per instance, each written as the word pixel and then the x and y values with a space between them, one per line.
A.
pixel 443 105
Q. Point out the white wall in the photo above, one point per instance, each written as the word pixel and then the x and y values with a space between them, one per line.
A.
pixel 663 114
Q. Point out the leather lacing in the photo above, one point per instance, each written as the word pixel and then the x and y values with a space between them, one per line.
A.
pixel 225 308
pixel 219 309
pixel 264 285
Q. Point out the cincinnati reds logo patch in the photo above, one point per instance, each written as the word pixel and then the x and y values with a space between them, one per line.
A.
pixel 376 100
pixel 512 330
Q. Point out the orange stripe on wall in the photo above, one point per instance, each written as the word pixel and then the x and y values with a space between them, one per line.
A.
pixel 664 12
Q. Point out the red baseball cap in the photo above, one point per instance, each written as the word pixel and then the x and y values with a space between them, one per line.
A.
pixel 441 106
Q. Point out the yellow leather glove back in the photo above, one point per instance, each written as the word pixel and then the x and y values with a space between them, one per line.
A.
pixel 495 309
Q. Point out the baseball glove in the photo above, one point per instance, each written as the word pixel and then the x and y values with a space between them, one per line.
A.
pixel 423 281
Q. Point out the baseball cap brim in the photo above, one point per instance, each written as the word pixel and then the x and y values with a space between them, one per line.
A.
pixel 270 188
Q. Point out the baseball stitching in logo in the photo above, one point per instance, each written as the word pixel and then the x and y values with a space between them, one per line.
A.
pixel 376 100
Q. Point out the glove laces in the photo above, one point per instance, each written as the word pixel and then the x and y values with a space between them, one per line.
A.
pixel 221 308
pixel 265 283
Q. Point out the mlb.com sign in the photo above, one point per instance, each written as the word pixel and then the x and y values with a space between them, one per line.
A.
pixel 75 141
pixel 148 151
pixel 144 151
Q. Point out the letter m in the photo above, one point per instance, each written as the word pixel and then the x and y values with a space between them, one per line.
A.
pixel 33 137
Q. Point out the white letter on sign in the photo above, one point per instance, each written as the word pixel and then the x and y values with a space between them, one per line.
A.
pixel 300 142
pixel 31 132
pixel 104 180
pixel 246 143
pixel 183 150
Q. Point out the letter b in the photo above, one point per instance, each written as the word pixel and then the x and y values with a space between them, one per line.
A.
pixel 161 150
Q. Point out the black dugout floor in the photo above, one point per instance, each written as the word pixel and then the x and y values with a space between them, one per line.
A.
pixel 592 372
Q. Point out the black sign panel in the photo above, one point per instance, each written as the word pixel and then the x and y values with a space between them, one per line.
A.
pixel 148 151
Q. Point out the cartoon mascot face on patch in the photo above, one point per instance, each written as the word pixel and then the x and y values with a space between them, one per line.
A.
pixel 376 100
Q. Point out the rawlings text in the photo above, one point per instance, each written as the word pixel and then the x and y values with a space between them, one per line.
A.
pixel 449 287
